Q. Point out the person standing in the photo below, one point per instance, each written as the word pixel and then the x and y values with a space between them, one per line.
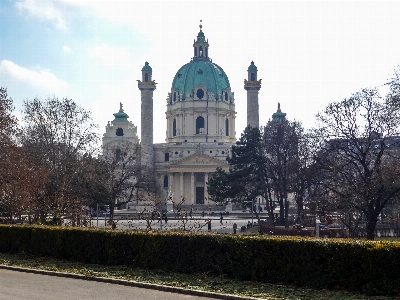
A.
pixel 209 225
pixel 234 228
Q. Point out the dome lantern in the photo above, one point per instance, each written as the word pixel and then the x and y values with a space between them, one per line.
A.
pixel 200 46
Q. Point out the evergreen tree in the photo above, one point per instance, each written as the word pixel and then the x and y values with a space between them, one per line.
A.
pixel 246 178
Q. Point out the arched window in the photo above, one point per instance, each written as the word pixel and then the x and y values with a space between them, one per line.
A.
pixel 146 77
pixel 226 127
pixel 206 51
pixel 174 96
pixel 195 51
pixel 200 93
pixel 201 51
pixel 174 127
pixel 118 155
pixel 120 132
pixel 200 125
pixel 226 96
pixel 166 181
pixel 252 77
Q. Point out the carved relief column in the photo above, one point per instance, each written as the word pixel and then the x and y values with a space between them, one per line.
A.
pixel 181 184
pixel 205 186
pixel 192 187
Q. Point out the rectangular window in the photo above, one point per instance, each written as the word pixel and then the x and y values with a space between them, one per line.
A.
pixel 167 156
pixel 199 178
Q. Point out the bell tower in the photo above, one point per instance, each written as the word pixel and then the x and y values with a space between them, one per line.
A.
pixel 252 86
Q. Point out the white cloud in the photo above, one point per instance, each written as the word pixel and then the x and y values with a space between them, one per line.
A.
pixel 67 49
pixel 43 10
pixel 111 56
pixel 42 79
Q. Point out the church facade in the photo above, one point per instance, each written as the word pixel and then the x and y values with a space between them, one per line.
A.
pixel 200 115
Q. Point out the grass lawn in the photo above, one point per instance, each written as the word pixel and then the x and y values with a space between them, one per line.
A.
pixel 198 281
pixel 388 239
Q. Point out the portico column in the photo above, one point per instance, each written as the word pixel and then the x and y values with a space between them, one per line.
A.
pixel 181 184
pixel 192 187
pixel 205 186
pixel 171 183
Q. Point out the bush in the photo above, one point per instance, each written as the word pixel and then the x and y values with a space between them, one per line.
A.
pixel 369 267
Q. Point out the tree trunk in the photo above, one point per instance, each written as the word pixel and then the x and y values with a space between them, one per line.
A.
pixel 281 212
pixel 286 212
pixel 371 225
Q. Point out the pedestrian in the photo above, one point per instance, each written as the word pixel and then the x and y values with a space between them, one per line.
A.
pixel 248 225
pixel 234 228
pixel 202 214
pixel 165 218
pixel 220 219
pixel 190 213
pixel 209 225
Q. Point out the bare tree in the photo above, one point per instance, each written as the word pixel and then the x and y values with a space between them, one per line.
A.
pixel 281 149
pixel 60 134
pixel 21 175
pixel 124 172
pixel 359 157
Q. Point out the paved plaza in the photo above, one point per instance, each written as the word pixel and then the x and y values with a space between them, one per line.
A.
pixel 196 223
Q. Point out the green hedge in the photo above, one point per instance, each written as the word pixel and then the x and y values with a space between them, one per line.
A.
pixel 368 267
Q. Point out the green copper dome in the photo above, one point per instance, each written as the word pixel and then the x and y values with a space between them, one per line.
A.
pixel 279 115
pixel 120 116
pixel 203 72
pixel 201 37
pixel 252 67
pixel 146 67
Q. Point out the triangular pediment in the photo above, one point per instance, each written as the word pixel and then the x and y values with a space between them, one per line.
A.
pixel 199 159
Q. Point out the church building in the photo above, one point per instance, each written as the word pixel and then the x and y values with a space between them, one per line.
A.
pixel 200 115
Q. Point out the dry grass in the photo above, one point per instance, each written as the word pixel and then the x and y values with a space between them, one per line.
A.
pixel 204 282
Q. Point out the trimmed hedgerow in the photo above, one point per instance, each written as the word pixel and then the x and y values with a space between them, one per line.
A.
pixel 371 267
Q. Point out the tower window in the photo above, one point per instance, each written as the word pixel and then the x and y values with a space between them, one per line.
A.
pixel 206 51
pixel 195 51
pixel 200 125
pixel 166 156
pixel 120 132
pixel 200 93
pixel 146 77
pixel 226 127
pixel 252 77
pixel 118 155
pixel 201 51
pixel 174 127
pixel 226 96
pixel 166 181
pixel 174 96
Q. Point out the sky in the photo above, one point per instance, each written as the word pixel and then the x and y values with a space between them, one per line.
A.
pixel 308 53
